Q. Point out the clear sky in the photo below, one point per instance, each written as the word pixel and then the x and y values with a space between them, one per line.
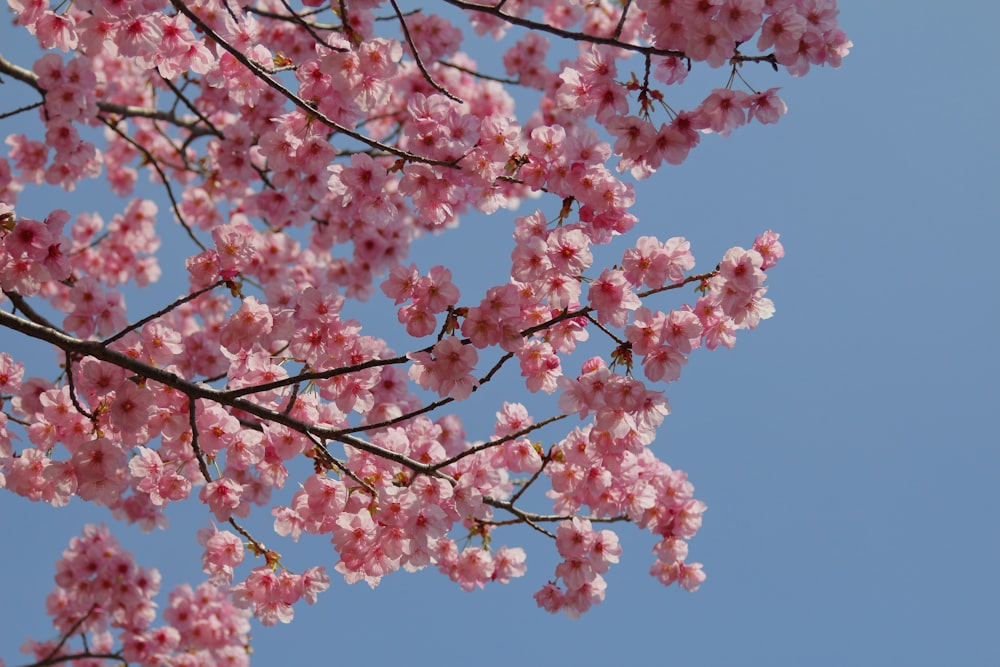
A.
pixel 847 449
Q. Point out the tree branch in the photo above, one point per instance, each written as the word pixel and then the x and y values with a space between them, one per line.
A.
pixel 195 390
pixel 161 312
pixel 571 35
pixel 416 57
pixel 310 109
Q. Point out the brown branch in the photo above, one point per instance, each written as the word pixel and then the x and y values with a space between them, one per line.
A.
pixel 538 473
pixel 494 443
pixel 265 77
pixel 19 73
pixel 155 164
pixel 497 11
pixel 195 447
pixel 69 633
pixel 295 18
pixel 430 407
pixel 180 97
pixel 27 107
pixel 559 32
pixel 621 21
pixel 21 304
pixel 480 75
pixel 30 78
pixel 532 519
pixel 196 390
pixel 163 311
pixel 316 375
pixel 687 281
pixel 55 660
pixel 508 506
pixel 522 516
pixel 416 57
pixel 331 461
pixel 258 546
pixel 154 114
pixel 375 363
pixel 72 391
pixel 610 334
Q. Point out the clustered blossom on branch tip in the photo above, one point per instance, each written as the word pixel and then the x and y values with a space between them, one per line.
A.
pixel 299 155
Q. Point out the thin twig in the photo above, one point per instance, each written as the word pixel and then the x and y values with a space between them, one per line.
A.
pixel 590 318
pixel 69 633
pixel 308 108
pixel 430 407
pixel 259 547
pixel 480 75
pixel 30 78
pixel 499 441
pixel 198 390
pixel 180 97
pixel 538 473
pixel 163 311
pixel 72 390
pixel 593 39
pixel 14 112
pixel 416 57
pixel 195 447
pixel 621 21
pixel 293 17
pixel 701 277
pixel 560 32
pixel 155 164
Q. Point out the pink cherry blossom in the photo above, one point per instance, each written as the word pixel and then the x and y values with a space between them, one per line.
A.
pixel 295 160
pixel 446 369
pixel 612 297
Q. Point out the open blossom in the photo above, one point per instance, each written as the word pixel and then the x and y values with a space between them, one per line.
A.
pixel 568 251
pixel 724 110
pixel 688 576
pixel 235 245
pixel 653 264
pixel 250 323
pixel 435 291
pixel 574 538
pixel 540 365
pixel 271 595
pixel 474 567
pixel 508 563
pixel 766 107
pixel 223 551
pixel 130 410
pixel 446 369
pixel 223 496
pixel 11 374
pixel 770 249
pixel 710 41
pixel 162 342
pixel 742 269
pixel 612 297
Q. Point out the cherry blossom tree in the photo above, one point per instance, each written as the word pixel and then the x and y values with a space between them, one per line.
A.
pixel 298 150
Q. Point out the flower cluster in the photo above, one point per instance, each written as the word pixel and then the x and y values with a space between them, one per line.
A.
pixel 587 554
pixel 271 594
pixel 32 252
pixel 301 155
pixel 103 596
pixel 384 526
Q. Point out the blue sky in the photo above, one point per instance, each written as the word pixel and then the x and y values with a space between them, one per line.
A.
pixel 847 450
